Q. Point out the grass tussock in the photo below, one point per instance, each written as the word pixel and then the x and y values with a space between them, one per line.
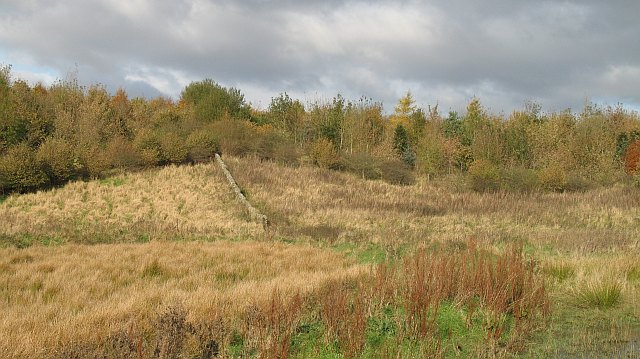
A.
pixel 559 270
pixel 602 294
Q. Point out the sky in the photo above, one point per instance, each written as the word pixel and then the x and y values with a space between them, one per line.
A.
pixel 559 54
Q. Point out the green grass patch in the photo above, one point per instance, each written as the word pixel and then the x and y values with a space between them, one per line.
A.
pixel 559 271
pixel 113 181
pixel 386 335
pixel 25 240
pixel 633 274
pixel 370 253
pixel 604 294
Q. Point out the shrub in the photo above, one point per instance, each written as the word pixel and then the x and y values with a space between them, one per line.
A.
pixel 237 137
pixel 19 170
pixel 122 154
pixel 553 178
pixel 397 172
pixel 632 157
pixel 93 161
pixel 575 182
pixel 55 157
pixel 324 154
pixel 362 164
pixel 148 147
pixel 202 145
pixel 275 146
pixel 484 176
pixel 520 180
pixel 173 147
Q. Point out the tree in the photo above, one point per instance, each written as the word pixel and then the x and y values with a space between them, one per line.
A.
pixel 12 129
pixel 121 109
pixel 324 154
pixel 211 101
pixel 19 170
pixel 287 115
pixel 404 110
pixel 327 120
pixel 402 146
pixel 452 125
pixel 55 157
pixel 363 126
pixel 473 121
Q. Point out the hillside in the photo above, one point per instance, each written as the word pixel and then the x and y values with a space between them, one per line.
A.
pixel 166 203
pixel 176 265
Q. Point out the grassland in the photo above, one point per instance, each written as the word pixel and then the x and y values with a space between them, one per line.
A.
pixel 165 203
pixel 176 257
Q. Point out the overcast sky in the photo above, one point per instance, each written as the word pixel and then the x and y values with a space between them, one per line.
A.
pixel 506 52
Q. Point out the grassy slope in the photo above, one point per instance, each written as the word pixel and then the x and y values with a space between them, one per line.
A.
pixel 576 240
pixel 594 236
pixel 73 295
pixel 167 203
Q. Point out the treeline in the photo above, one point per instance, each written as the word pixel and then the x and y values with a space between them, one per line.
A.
pixel 50 135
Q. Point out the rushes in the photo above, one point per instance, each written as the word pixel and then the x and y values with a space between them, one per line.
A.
pixel 602 294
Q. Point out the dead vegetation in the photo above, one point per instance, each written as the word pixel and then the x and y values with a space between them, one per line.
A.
pixel 448 272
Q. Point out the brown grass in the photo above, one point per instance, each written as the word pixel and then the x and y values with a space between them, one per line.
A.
pixel 300 199
pixel 163 298
pixel 53 297
pixel 187 201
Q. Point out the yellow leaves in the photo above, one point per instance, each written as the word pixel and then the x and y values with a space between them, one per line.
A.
pixel 404 109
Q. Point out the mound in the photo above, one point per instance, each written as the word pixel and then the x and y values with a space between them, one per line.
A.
pixel 167 203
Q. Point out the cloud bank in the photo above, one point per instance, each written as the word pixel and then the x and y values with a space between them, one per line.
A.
pixel 556 53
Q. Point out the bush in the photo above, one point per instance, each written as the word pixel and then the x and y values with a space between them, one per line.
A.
pixel 484 176
pixel 362 164
pixel 324 154
pixel 56 158
pixel 632 157
pixel 397 172
pixel 148 147
pixel 275 146
pixel 520 180
pixel 122 154
pixel 173 147
pixel 93 161
pixel 575 182
pixel 237 137
pixel 553 178
pixel 19 170
pixel 202 146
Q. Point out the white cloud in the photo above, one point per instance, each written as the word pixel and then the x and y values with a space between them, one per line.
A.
pixel 169 82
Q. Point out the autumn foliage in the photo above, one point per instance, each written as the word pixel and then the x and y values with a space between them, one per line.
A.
pixel 632 158
pixel 67 131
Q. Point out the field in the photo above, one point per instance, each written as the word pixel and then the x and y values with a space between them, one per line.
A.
pixel 165 263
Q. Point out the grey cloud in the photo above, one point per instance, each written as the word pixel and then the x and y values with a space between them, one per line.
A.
pixel 505 52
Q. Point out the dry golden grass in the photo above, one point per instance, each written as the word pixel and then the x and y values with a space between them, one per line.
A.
pixel 161 203
pixel 52 297
pixel 58 295
pixel 576 240
pixel 300 200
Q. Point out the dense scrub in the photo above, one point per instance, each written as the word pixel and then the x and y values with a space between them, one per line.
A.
pixel 50 135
